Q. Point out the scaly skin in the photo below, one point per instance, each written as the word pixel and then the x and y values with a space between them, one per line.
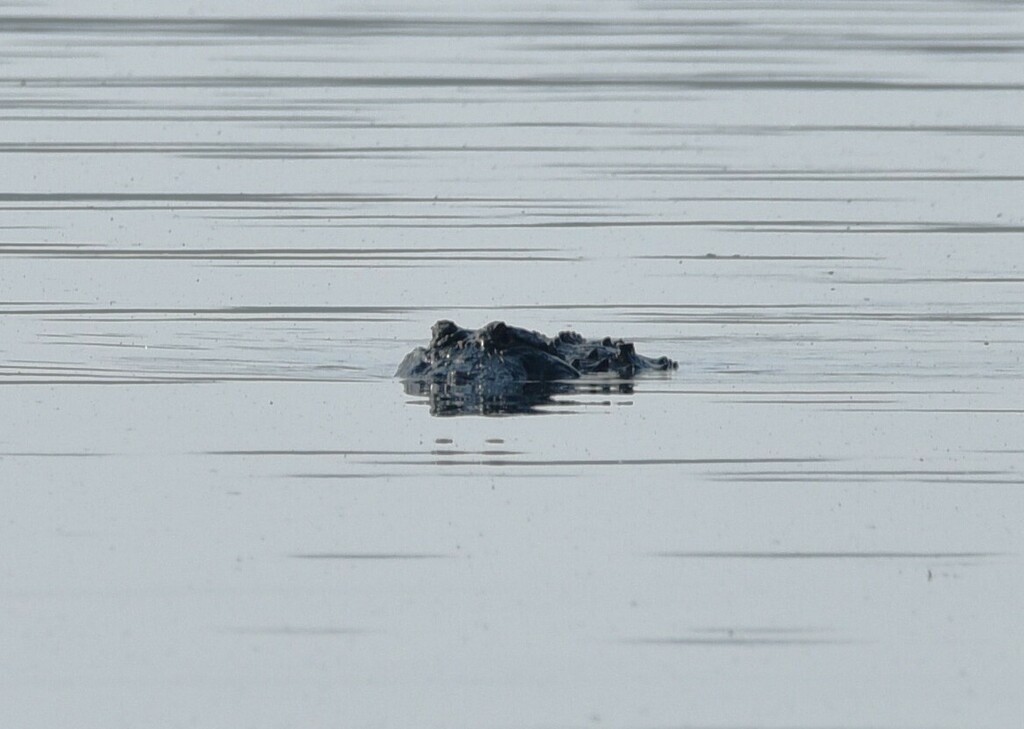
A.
pixel 497 357
pixel 502 370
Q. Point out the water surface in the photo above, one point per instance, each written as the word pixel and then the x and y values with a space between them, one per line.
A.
pixel 221 230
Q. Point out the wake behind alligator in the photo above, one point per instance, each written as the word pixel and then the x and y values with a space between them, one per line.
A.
pixel 502 369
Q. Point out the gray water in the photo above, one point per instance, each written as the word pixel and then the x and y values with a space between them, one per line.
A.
pixel 220 231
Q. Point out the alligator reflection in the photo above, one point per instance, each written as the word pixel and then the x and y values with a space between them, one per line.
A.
pixel 522 399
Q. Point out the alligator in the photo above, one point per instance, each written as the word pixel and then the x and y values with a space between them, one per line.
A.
pixel 504 369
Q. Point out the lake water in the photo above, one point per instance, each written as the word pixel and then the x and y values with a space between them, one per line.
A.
pixel 222 228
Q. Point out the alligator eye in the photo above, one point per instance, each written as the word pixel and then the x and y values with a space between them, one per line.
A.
pixel 443 328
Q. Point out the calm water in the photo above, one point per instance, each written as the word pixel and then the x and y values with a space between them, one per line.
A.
pixel 220 231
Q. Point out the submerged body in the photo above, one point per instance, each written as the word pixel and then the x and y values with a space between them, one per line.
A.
pixel 497 364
